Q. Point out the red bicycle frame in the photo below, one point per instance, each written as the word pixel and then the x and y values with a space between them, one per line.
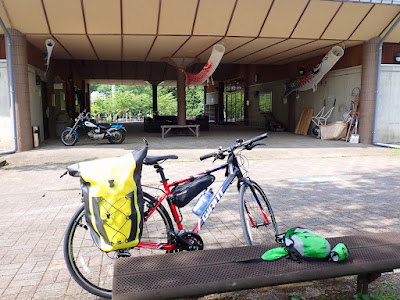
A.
pixel 233 171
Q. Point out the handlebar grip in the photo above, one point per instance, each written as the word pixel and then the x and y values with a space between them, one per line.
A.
pixel 257 138
pixel 206 156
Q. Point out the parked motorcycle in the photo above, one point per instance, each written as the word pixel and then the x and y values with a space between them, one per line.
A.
pixel 114 133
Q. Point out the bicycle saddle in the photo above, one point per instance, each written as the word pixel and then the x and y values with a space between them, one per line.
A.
pixel 152 160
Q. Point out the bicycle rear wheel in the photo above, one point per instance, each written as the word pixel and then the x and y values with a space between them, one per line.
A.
pixel 256 215
pixel 92 268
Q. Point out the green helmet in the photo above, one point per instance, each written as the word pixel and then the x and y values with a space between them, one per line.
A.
pixel 340 252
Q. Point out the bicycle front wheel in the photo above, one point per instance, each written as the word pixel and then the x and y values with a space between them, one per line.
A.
pixel 256 215
pixel 92 268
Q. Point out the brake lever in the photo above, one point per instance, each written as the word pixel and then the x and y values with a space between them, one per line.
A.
pixel 259 144
pixel 219 156
pixel 251 146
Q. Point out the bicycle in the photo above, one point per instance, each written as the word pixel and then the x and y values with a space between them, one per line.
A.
pixel 91 268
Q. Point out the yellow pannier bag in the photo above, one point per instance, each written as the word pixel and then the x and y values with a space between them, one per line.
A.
pixel 113 199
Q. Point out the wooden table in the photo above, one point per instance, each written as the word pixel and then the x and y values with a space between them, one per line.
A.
pixel 167 128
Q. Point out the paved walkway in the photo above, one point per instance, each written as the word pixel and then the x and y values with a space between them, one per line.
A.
pixel 332 187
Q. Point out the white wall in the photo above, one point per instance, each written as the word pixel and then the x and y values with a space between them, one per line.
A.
pixel 6 137
pixel 338 85
pixel 388 115
pixel 335 85
pixel 35 96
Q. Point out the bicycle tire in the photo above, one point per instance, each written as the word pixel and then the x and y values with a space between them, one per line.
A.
pixel 260 232
pixel 92 268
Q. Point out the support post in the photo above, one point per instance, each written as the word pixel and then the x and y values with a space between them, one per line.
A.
pixel 181 85
pixel 246 97
pixel 221 102
pixel 368 91
pixel 154 85
pixel 155 104
pixel 364 279
pixel 22 100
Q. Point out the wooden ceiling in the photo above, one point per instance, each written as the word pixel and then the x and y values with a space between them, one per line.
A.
pixel 253 31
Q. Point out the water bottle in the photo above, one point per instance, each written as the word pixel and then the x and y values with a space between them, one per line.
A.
pixel 202 203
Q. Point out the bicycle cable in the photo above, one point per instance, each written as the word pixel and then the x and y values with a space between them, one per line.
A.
pixel 154 188
pixel 243 162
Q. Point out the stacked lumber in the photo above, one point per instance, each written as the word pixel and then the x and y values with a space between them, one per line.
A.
pixel 304 122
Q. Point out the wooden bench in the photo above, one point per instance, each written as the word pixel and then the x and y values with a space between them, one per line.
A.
pixel 198 273
pixel 167 128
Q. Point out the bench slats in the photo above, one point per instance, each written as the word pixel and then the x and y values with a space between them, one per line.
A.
pixel 214 271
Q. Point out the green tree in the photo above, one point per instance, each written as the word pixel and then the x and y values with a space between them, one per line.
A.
pixel 101 88
pixel 100 106
pixel 138 100
pixel 194 101
pixel 167 105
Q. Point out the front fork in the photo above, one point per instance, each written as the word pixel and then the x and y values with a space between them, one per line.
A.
pixel 72 129
pixel 253 191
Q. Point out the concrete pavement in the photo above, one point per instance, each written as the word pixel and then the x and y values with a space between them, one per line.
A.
pixel 332 187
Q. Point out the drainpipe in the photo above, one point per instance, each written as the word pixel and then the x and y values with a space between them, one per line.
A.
pixel 378 77
pixel 11 86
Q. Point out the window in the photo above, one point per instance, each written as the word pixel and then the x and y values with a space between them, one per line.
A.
pixel 265 103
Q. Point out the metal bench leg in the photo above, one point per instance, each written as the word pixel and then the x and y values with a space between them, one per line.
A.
pixel 192 130
pixel 363 280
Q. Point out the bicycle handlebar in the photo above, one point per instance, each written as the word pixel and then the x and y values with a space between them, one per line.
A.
pixel 206 156
pixel 247 144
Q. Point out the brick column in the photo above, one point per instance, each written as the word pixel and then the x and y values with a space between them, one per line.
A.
pixel 368 90
pixel 21 88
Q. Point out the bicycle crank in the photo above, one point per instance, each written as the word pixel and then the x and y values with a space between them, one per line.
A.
pixel 188 241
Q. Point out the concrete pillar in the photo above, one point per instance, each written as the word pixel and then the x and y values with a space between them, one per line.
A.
pixel 181 85
pixel 21 90
pixel 368 90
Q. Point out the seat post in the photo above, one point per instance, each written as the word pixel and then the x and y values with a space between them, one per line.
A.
pixel 160 170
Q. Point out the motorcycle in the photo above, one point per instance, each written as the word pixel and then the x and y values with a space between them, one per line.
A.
pixel 114 133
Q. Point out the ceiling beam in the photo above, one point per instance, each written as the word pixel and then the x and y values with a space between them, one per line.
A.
pixel 157 30
pixel 298 20
pixel 283 51
pixel 362 20
pixel 86 33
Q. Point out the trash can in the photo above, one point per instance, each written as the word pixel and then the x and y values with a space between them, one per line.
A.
pixel 36 136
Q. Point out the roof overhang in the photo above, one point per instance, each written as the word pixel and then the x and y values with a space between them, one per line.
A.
pixel 253 32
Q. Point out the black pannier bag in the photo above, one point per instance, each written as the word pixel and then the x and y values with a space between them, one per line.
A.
pixel 184 193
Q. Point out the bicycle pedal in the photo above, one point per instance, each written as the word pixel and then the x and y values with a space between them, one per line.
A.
pixel 123 253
